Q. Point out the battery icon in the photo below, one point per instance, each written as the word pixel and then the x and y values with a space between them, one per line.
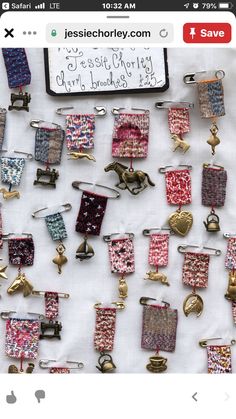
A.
pixel 225 6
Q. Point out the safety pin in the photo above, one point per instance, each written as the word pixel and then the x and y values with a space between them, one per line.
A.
pixel 116 110
pixel 101 110
pixel 6 315
pixel 229 235
pixel 147 231
pixel 179 167
pixel 59 209
pixel 166 104
pixel 43 363
pixel 3 110
pixel 182 249
pixel 119 304
pixel 203 342
pixel 36 122
pixel 189 78
pixel 42 293
pixel 144 301
pixel 76 184
pixel 18 236
pixel 29 156
pixel 108 237
pixel 213 165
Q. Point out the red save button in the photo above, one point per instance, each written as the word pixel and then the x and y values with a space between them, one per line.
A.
pixel 209 33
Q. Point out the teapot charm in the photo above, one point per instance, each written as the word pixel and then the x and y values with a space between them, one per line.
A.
pixel 212 222
pixel 106 363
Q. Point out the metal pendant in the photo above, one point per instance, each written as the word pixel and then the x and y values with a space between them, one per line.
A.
pixel 51 174
pixel 2 272
pixel 20 284
pixel 212 222
pixel 231 290
pixel 9 194
pixel 193 303
pixel 76 155
pixel 157 364
pixel 106 363
pixel 157 276
pixel 127 176
pixel 60 259
pixel 180 143
pixel 181 222
pixel 84 251
pixel 213 141
pixel 123 288
pixel 54 327
pixel 24 98
pixel 12 369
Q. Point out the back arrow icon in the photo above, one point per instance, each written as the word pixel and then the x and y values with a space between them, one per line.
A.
pixel 194 397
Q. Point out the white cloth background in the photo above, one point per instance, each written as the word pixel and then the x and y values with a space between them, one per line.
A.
pixel 91 281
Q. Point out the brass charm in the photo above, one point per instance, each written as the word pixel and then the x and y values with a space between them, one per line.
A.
pixel 213 141
pixel 75 155
pixel 14 370
pixel 231 290
pixel 157 364
pixel 157 276
pixel 60 259
pixel 84 251
pixel 2 272
pixel 106 363
pixel 193 303
pixel 9 194
pixel 180 222
pixel 212 223
pixel 51 174
pixel 56 327
pixel 25 98
pixel 20 284
pixel 180 143
pixel 123 288
pixel 127 176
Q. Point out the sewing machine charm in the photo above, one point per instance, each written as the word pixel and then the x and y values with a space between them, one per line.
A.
pixel 56 327
pixel 25 98
pixel 231 290
pixel 51 174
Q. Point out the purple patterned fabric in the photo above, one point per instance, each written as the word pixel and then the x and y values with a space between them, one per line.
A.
pixel 21 251
pixel 213 187
pixel 18 72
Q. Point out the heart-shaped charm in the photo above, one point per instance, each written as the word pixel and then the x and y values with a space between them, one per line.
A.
pixel 180 222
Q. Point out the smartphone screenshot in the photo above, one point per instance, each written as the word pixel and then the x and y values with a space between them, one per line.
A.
pixel 117 208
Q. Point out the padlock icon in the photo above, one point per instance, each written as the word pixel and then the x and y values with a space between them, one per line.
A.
pixel 53 32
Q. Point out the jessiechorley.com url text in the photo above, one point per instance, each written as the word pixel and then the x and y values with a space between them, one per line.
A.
pixel 115 34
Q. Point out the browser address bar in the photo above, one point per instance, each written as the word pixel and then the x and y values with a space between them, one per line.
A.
pixel 109 33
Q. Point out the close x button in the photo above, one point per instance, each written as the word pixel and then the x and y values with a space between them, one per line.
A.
pixel 207 33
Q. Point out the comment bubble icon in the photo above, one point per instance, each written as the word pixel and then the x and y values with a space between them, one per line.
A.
pixel 39 394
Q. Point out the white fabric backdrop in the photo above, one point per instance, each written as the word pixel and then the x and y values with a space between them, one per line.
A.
pixel 91 281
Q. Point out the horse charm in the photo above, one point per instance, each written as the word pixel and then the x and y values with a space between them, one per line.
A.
pixel 127 176
pixel 20 284
pixel 193 303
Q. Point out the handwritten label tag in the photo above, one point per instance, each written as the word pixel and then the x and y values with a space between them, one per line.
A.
pixel 98 70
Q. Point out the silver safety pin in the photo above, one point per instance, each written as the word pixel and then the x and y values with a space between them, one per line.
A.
pixel 203 342
pixel 42 294
pixel 144 301
pixel 120 305
pixel 77 185
pixel 101 110
pixel 44 364
pixel 164 169
pixel 7 235
pixel 29 156
pixel 108 237
pixel 7 315
pixel 116 110
pixel 35 123
pixel 183 248
pixel 59 209
pixel 147 231
pixel 190 78
pixel 166 104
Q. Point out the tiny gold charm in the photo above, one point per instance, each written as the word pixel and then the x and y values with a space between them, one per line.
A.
pixel 123 288
pixel 2 272
pixel 84 251
pixel 9 194
pixel 231 290
pixel 76 155
pixel 181 222
pixel 157 276
pixel 20 284
pixel 179 143
pixel 212 222
pixel 213 141
pixel 157 364
pixel 193 303
pixel 60 259
pixel 14 370
pixel 106 363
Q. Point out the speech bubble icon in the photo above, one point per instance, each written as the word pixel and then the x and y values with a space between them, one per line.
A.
pixel 39 394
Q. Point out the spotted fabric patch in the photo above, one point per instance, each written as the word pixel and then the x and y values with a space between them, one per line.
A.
pixel 159 328
pixel 22 338
pixel 195 269
pixel 219 359
pixel 121 254
pixel 178 120
pixel 80 131
pixel 230 258
pixel 56 226
pixel 214 183
pixel 234 311
pixel 130 135
pixel 11 170
pixel 158 250
pixel 21 251
pixel 51 305
pixel 17 67
pixel 105 329
pixel 178 187
pixel 2 125
pixel 91 213
pixel 48 145
pixel 211 98
pixel 59 370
